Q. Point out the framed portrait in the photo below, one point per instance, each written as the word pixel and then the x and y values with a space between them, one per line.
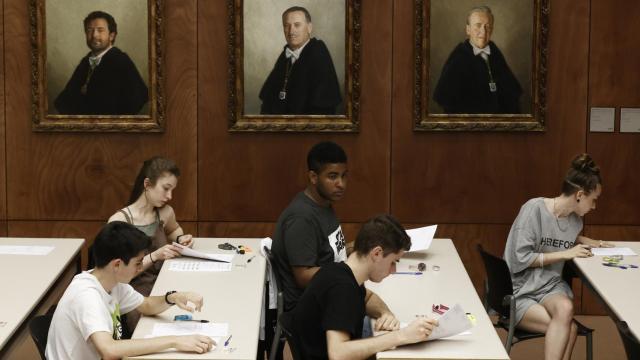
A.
pixel 480 65
pixel 294 65
pixel 97 65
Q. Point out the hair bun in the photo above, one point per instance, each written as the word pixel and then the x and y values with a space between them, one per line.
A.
pixel 585 164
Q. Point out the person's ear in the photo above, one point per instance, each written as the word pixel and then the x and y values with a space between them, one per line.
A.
pixel 376 253
pixel 146 183
pixel 310 28
pixel 313 177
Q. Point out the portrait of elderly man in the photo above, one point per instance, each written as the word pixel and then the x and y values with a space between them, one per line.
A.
pixel 303 80
pixel 106 81
pixel 476 78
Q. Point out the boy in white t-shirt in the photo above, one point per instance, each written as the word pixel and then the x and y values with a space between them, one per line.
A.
pixel 86 323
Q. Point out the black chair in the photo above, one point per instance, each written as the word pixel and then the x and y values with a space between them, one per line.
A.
pixel 39 330
pixel 285 322
pixel 278 340
pixel 631 344
pixel 499 298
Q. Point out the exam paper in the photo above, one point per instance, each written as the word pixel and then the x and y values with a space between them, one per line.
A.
pixel 613 251
pixel 452 322
pixel 421 237
pixel 178 328
pixel 198 266
pixel 25 250
pixel 187 251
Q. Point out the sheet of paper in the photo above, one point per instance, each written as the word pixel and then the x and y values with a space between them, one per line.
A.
pixel 177 328
pixel 421 237
pixel 453 322
pixel 629 120
pixel 198 266
pixel 187 251
pixel 25 250
pixel 602 119
pixel 613 251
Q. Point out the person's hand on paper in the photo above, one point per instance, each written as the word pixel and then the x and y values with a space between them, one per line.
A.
pixel 185 239
pixel 182 300
pixel 168 251
pixel 194 343
pixel 418 330
pixel 580 250
pixel 386 321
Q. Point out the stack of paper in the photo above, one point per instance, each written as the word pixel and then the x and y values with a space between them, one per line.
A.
pixel 421 237
pixel 187 251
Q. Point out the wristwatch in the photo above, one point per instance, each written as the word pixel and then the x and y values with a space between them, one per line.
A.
pixel 166 297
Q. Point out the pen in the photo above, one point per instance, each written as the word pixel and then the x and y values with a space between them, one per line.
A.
pixel 226 343
pixel 407 273
pixel 251 258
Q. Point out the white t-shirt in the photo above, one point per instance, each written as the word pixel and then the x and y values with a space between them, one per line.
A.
pixel 86 308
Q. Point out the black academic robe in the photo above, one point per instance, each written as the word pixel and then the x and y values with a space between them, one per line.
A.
pixel 312 88
pixel 463 87
pixel 115 88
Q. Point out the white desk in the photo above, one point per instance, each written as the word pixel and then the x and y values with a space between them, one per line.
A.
pixel 30 285
pixel 619 289
pixel 233 297
pixel 410 295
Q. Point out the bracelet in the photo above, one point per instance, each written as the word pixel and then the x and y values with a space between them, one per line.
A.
pixel 151 258
pixel 166 297
pixel 541 258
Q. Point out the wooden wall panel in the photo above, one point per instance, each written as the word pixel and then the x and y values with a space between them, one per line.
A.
pixel 3 228
pixel 486 177
pixel 613 82
pixel 258 229
pixel 88 176
pixel 253 176
pixel 3 159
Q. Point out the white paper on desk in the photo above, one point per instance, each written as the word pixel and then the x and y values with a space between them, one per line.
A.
pixel 453 322
pixel 178 328
pixel 25 250
pixel 187 251
pixel 207 266
pixel 613 251
pixel 421 237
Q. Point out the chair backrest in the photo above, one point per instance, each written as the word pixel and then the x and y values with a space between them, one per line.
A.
pixel 272 263
pixel 498 281
pixel 631 344
pixel 39 329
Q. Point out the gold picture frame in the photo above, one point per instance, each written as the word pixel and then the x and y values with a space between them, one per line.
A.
pixel 430 54
pixel 241 118
pixel 55 55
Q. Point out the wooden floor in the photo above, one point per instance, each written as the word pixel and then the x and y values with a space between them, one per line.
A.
pixel 606 343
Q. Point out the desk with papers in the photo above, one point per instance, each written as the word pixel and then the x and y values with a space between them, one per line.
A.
pixel 445 281
pixel 232 300
pixel 618 288
pixel 35 273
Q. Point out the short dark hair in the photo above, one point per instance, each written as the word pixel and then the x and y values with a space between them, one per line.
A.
pixel 384 231
pixel 152 169
pixel 326 152
pixel 583 175
pixel 118 240
pixel 298 8
pixel 111 22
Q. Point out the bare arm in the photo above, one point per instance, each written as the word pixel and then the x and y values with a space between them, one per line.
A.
pixel 593 243
pixel 340 345
pixel 304 274
pixel 376 308
pixel 172 228
pixel 108 348
pixel 153 305
pixel 579 250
